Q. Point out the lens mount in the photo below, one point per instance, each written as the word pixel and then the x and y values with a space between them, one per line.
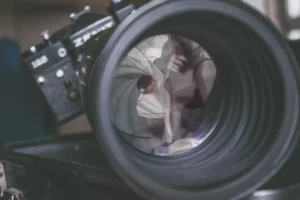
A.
pixel 256 126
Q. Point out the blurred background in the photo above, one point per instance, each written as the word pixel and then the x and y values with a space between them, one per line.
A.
pixel 24 20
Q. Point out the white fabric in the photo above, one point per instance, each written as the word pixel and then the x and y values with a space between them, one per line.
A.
pixel 157 104
pixel 182 145
pixel 129 105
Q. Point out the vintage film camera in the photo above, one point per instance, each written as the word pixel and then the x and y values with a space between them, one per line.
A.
pixel 246 140
pixel 53 62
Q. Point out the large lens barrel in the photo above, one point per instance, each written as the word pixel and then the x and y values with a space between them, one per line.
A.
pixel 244 129
pixel 286 183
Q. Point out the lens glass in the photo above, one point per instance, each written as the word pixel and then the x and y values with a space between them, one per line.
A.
pixel 159 94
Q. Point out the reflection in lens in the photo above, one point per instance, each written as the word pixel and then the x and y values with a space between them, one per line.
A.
pixel 159 94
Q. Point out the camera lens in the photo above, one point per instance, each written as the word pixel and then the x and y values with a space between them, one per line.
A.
pixel 159 94
pixel 175 128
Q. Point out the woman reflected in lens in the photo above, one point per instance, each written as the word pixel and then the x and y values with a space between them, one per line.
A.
pixel 159 93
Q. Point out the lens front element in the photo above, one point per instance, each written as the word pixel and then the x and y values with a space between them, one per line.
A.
pixel 159 94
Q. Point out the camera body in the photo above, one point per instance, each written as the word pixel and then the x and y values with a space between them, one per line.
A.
pixel 52 63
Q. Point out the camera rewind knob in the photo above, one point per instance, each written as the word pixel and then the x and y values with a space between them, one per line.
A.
pixel 75 16
pixel 46 36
